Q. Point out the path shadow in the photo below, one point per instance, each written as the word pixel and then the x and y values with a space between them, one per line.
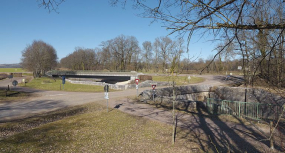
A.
pixel 118 106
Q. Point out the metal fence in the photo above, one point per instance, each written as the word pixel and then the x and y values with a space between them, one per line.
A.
pixel 251 110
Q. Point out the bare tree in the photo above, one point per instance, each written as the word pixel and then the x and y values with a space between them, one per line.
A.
pixel 80 59
pixel 147 54
pixel 164 46
pixel 124 50
pixel 50 5
pixel 39 57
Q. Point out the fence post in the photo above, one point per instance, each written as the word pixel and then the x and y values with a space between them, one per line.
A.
pixel 239 109
pixel 222 107
pixel 271 136
pixel 257 111
pixel 207 104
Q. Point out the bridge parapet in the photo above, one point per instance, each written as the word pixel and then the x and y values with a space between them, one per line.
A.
pixel 132 74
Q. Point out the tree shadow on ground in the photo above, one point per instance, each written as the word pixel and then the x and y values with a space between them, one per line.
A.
pixel 214 134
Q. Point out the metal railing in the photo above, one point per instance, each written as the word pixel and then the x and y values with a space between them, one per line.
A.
pixel 251 110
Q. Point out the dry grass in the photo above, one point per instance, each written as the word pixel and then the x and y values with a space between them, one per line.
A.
pixel 179 80
pixel 95 130
pixel 12 95
pixel 45 83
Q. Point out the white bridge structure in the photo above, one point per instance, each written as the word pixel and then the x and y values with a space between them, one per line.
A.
pixel 108 77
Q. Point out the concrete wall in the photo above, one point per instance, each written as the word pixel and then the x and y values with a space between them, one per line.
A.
pixel 147 83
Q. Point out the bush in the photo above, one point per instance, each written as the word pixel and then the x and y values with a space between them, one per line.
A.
pixel 3 76
pixel 145 77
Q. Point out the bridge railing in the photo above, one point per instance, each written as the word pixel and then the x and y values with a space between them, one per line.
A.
pixel 251 110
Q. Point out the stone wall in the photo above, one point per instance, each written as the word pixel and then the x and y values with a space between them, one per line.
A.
pixel 200 93
pixel 16 74
pixel 192 92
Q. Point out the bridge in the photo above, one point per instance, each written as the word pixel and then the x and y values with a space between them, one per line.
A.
pixel 108 77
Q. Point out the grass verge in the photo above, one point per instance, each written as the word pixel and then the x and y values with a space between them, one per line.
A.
pixel 180 80
pixel 95 130
pixel 45 83
pixel 12 95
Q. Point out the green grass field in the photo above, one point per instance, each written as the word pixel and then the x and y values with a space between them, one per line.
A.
pixel 179 80
pixel 95 130
pixel 45 83
pixel 12 70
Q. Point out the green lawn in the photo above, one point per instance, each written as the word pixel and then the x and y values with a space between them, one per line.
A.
pixel 95 130
pixel 45 83
pixel 179 80
pixel 12 70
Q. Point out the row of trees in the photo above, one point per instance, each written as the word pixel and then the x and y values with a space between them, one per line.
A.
pixel 80 59
pixel 124 53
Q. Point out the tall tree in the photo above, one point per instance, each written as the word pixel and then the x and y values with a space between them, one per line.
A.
pixel 147 54
pixel 39 57
pixel 80 59
pixel 164 46
pixel 124 51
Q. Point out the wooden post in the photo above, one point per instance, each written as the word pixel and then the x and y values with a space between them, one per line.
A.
pixel 173 113
pixel 271 136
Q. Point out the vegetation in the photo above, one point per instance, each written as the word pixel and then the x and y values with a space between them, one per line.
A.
pixel 124 54
pixel 179 80
pixel 12 70
pixel 253 30
pixel 93 130
pixel 39 58
pixel 45 83
pixel 12 95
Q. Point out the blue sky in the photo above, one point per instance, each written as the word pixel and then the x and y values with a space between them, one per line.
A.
pixel 79 23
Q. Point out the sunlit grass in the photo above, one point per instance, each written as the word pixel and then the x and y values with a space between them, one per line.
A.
pixel 15 70
pixel 179 80
pixel 45 83
pixel 95 130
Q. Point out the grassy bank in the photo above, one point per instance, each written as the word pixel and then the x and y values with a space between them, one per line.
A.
pixel 180 80
pixel 45 83
pixel 95 130
pixel 12 95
